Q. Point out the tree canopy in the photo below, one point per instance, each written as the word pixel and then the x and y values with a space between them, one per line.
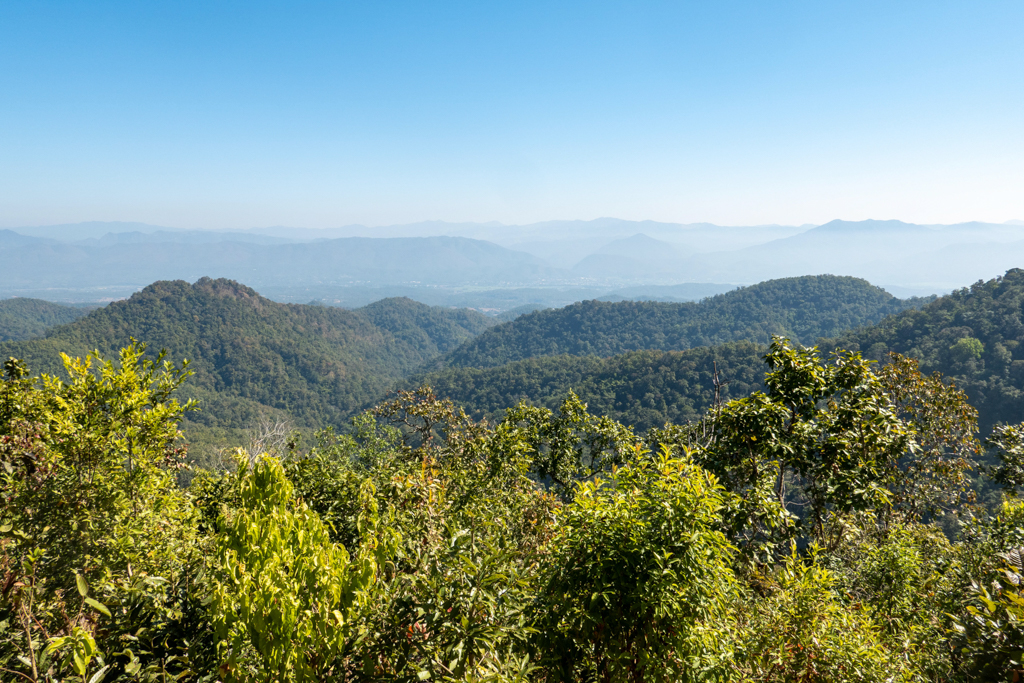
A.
pixel 800 308
pixel 23 318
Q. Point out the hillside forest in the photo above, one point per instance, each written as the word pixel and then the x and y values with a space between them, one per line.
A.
pixel 806 479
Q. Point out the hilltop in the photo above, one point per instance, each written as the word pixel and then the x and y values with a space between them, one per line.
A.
pixel 251 356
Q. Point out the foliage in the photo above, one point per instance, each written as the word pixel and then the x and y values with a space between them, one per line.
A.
pixel 933 476
pixel 792 534
pixel 989 629
pixel 822 436
pixel 282 587
pixel 93 525
pixel 645 389
pixel 470 528
pixel 803 631
pixel 22 318
pixel 1008 441
pixel 570 447
pixel 801 308
pixel 639 578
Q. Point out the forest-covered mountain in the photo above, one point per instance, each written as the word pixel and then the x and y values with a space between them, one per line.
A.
pixel 252 356
pixel 801 308
pixel 23 318
pixel 975 336
pixel 644 389
pixel 318 365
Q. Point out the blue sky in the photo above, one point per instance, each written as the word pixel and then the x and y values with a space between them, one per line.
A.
pixel 231 115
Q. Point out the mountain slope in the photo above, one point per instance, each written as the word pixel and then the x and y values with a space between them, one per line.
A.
pixel 802 308
pixel 641 388
pixel 939 257
pixel 22 318
pixel 975 336
pixel 251 355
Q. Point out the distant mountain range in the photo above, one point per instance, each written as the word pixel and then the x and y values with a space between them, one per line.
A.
pixel 542 264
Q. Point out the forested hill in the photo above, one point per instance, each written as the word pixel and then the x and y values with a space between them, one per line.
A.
pixel 640 388
pixel 974 336
pixel 801 308
pixel 23 318
pixel 251 355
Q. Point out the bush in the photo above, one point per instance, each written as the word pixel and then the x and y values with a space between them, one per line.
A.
pixel 638 586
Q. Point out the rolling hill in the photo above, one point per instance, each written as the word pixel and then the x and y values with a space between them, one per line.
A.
pixel 22 318
pixel 802 308
pixel 974 336
pixel 252 356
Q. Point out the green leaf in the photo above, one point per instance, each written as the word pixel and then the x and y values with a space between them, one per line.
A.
pixel 98 606
pixel 99 675
pixel 83 585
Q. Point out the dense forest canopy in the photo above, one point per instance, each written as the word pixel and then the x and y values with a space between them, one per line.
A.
pixel 802 308
pixel 792 534
pixel 643 389
pixel 973 336
pixel 23 318
pixel 312 365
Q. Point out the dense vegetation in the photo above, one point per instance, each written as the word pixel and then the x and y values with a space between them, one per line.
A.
pixel 974 336
pixel 251 357
pixel 801 308
pixel 643 389
pixel 789 535
pixel 22 318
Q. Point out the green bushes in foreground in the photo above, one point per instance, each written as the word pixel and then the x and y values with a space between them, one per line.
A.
pixel 802 533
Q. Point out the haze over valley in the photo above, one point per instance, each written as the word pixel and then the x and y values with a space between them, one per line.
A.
pixel 496 267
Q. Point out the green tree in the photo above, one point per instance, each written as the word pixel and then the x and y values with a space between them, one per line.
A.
pixel 287 600
pixel 96 535
pixel 639 584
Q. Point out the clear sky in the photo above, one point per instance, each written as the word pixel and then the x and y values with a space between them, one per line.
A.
pixel 236 114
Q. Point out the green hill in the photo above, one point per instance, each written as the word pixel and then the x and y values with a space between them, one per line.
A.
pixel 641 388
pixel 801 308
pixel 251 356
pixel 975 336
pixel 23 318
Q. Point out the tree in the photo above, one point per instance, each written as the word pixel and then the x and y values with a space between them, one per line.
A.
pixel 95 531
pixel 570 447
pixel 283 590
pixel 639 583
